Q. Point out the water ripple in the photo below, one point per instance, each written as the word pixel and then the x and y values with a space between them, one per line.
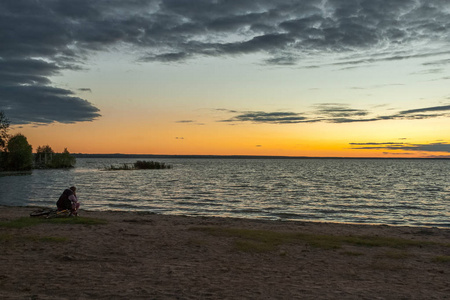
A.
pixel 396 192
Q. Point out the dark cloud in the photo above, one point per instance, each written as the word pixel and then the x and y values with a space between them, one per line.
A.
pixel 39 39
pixel 334 113
pixel 271 117
pixel 44 104
pixel 402 153
pixel 337 111
pixel 190 122
pixel 426 109
pixel 377 144
pixel 430 147
pixel 440 62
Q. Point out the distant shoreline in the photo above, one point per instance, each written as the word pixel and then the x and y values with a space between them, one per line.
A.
pixel 120 155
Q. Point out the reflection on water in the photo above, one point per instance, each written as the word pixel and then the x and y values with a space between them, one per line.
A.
pixel 403 192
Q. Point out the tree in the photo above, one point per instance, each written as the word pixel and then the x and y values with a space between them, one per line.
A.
pixel 62 160
pixel 44 156
pixel 20 154
pixel 4 125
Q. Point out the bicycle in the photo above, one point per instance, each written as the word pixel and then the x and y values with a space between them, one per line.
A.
pixel 49 213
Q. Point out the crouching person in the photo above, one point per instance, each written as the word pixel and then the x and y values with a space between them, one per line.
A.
pixel 68 200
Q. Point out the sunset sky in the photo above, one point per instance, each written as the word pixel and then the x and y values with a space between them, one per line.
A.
pixel 362 78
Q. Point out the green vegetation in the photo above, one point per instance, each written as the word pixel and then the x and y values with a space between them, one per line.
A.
pixel 377 241
pixel 150 165
pixel 250 240
pixel 46 158
pixel 16 153
pixel 6 237
pixel 352 253
pixel 442 259
pixel 26 221
pixel 395 254
pixel 265 240
pixel 62 160
pixel 254 246
pixel 19 155
pixel 4 126
pixel 43 157
pixel 119 167
pixel 139 165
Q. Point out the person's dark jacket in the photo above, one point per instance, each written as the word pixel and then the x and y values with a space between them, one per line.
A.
pixel 64 201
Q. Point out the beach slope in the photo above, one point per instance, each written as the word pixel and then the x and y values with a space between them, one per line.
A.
pixel 131 255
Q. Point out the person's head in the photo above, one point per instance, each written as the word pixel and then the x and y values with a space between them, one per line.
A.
pixel 73 189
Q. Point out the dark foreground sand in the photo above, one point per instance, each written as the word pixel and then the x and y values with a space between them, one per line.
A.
pixel 147 256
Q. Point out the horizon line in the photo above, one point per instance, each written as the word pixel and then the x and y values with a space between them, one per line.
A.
pixel 126 155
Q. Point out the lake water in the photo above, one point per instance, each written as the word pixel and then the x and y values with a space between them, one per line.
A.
pixel 375 191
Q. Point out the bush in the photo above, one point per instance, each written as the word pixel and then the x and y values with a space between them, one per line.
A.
pixel 150 165
pixel 46 158
pixel 2 161
pixel 139 165
pixel 43 157
pixel 62 160
pixel 4 125
pixel 19 156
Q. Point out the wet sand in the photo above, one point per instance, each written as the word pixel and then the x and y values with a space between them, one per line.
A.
pixel 150 256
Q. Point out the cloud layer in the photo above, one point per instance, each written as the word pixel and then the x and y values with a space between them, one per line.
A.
pixel 41 38
pixel 431 147
pixel 335 113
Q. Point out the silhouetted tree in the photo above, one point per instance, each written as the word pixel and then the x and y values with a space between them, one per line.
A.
pixel 62 160
pixel 44 156
pixel 4 125
pixel 19 155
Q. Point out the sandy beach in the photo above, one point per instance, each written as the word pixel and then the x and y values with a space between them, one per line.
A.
pixel 150 256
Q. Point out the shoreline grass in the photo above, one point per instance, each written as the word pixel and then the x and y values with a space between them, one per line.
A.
pixel 266 240
pixel 442 259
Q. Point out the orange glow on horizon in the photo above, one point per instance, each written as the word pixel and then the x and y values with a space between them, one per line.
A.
pixel 161 135
pixel 83 139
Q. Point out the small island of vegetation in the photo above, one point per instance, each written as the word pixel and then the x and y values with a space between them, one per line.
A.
pixel 139 165
pixel 16 154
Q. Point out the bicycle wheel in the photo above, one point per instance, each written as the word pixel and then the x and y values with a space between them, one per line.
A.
pixel 40 212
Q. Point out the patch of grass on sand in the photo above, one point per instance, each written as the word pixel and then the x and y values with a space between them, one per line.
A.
pixel 378 241
pixel 267 240
pixel 442 259
pixel 21 223
pixel 26 222
pixel 77 220
pixel 248 240
pixel 4 237
pixel 395 254
pixel 352 253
